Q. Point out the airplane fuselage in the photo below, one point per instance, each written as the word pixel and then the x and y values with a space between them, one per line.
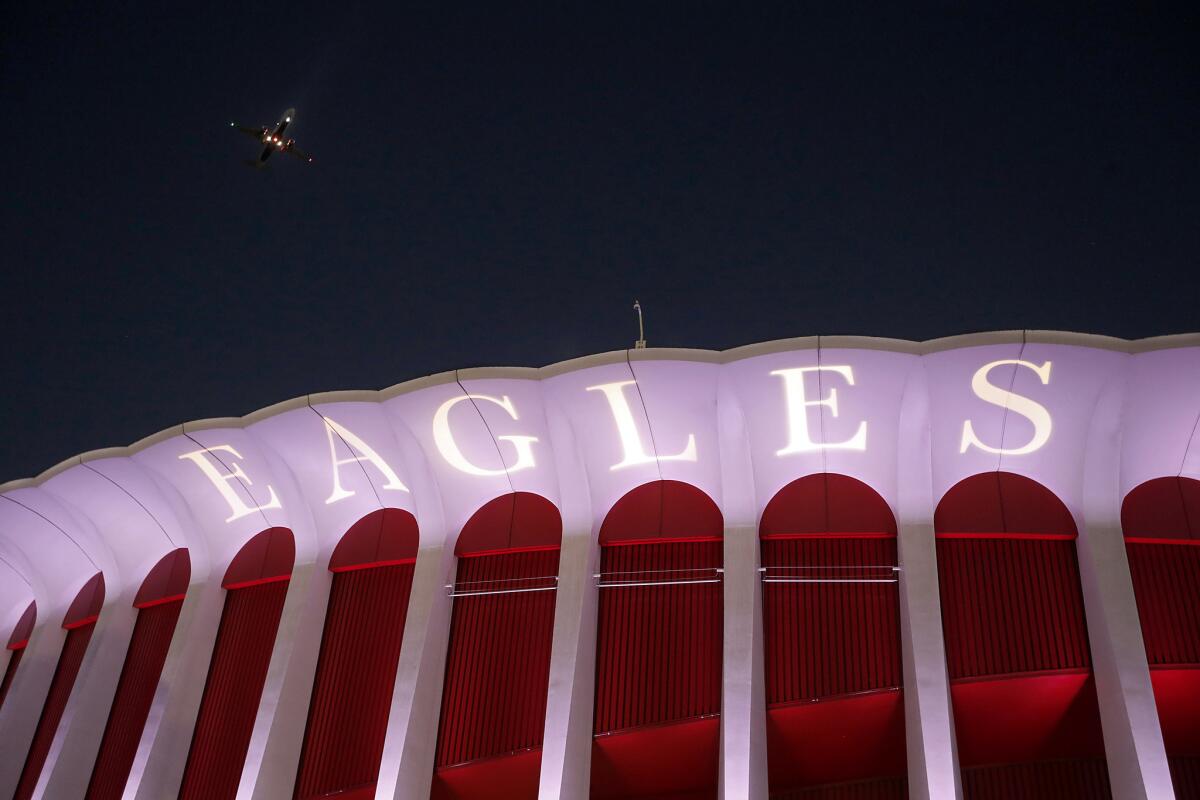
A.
pixel 273 140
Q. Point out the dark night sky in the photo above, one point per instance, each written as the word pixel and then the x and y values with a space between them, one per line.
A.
pixel 494 188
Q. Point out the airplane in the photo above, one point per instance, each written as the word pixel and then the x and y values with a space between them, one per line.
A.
pixel 273 140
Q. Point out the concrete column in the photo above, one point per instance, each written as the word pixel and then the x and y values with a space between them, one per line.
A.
pixel 406 768
pixel 743 693
pixel 157 770
pixel 273 756
pixel 1133 744
pixel 928 715
pixel 68 767
pixel 567 741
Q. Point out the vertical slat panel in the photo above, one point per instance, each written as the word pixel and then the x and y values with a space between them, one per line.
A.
pixel 1081 779
pixel 236 675
pixel 884 789
pixel 356 671
pixel 498 661
pixel 1185 774
pixel 69 661
pixel 825 639
pixel 658 653
pixel 1011 606
pixel 135 692
pixel 1166 582
pixel 10 672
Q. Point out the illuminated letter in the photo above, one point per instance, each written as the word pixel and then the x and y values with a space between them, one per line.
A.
pixel 631 442
pixel 221 480
pixel 368 454
pixel 449 448
pixel 799 440
pixel 1034 412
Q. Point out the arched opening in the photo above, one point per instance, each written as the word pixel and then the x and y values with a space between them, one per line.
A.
pixel 159 601
pixel 656 727
pixel 498 658
pixel 256 585
pixel 831 636
pixel 1025 709
pixel 17 642
pixel 1161 522
pixel 372 569
pixel 79 622
pixel 497 673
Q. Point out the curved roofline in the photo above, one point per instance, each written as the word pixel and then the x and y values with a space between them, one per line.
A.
pixel 840 342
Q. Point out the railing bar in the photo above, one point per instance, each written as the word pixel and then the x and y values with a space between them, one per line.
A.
pixel 501 591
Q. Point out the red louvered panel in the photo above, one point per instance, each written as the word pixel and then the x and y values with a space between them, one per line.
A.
pixel 826 639
pixel 658 650
pixel 885 789
pixel 1081 779
pixel 69 661
pixel 236 674
pixel 498 662
pixel 1011 606
pixel 135 691
pixel 1166 582
pixel 1185 774
pixel 10 672
pixel 352 690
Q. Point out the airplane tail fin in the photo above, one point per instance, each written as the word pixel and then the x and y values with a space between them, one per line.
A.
pixel 254 162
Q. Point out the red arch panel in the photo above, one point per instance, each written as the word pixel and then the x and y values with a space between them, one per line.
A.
pixel 24 627
pixel 514 521
pixel 826 504
pixel 1163 508
pixel 992 503
pixel 662 510
pixel 167 581
pixel 16 643
pixel 267 557
pixel 85 608
pixel 382 538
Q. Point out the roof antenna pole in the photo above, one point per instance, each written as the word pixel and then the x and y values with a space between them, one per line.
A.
pixel 640 344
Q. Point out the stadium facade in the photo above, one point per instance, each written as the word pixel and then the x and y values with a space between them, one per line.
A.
pixel 841 568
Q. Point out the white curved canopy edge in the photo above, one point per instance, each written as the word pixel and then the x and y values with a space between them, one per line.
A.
pixel 738 424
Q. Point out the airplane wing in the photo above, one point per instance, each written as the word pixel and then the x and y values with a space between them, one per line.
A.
pixel 255 132
pixel 298 153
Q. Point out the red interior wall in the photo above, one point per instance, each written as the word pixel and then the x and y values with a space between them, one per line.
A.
pixel 135 692
pixel 1011 606
pixel 69 661
pixel 1080 779
pixel 352 691
pixel 498 662
pixel 10 672
pixel 659 648
pixel 829 639
pixel 236 674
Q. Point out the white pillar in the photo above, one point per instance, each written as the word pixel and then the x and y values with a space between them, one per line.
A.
pixel 928 715
pixel 23 706
pixel 567 739
pixel 273 756
pixel 68 767
pixel 1133 744
pixel 743 693
pixel 409 750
